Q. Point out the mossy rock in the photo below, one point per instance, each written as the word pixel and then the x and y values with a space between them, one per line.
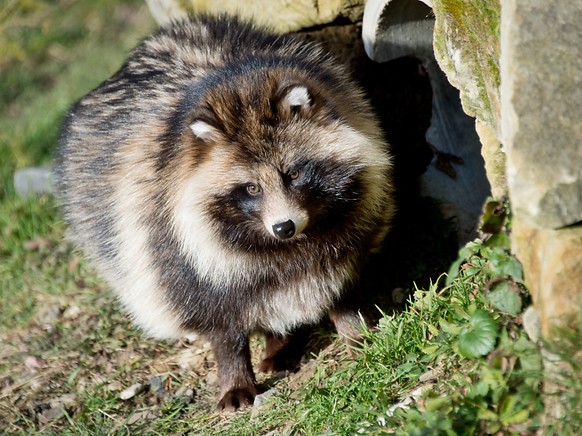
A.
pixel 466 44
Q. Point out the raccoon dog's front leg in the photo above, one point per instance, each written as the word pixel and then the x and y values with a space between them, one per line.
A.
pixel 235 372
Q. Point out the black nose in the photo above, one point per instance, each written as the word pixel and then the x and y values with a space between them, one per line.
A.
pixel 284 230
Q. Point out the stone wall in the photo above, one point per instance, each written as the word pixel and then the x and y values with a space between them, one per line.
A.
pixel 541 125
pixel 466 46
pixel 518 67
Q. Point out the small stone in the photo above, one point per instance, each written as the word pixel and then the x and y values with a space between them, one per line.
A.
pixel 212 378
pixel 52 414
pixel 36 384
pixel 33 180
pixel 145 415
pixel 35 362
pixel 184 395
pixel 114 386
pixel 55 408
pixel 261 399
pixel 63 400
pixel 132 391
pixel 72 312
pixel 47 317
pixel 158 385
pixel 532 324
pixel 191 358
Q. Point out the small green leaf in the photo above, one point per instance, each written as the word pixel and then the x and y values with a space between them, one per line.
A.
pixel 492 427
pixel 499 240
pixel 464 253
pixel 487 415
pixel 453 271
pixel 514 269
pixel 449 327
pixel 437 403
pixel 508 405
pixel 460 312
pixel 510 413
pixel 433 330
pixel 516 418
pixel 494 216
pixel 471 271
pixel 482 388
pixel 502 264
pixel 478 337
pixel 504 299
pixel 430 349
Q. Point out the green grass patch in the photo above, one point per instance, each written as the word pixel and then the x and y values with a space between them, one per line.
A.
pixel 51 54
pixel 29 265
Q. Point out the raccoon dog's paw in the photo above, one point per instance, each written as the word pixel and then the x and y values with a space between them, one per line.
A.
pixel 236 399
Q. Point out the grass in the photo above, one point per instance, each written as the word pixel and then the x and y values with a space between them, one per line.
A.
pixel 415 358
pixel 53 52
pixel 455 358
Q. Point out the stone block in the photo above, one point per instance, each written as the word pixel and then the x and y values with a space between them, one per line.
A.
pixel 33 180
pixel 494 157
pixel 280 15
pixel 553 272
pixel 541 102
pixel 466 46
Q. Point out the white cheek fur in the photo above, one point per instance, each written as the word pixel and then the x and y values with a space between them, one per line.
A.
pixel 199 242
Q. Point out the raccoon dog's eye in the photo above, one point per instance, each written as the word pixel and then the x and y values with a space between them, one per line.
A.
pixel 294 175
pixel 253 189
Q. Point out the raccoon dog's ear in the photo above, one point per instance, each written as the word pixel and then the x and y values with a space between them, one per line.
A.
pixel 296 97
pixel 204 131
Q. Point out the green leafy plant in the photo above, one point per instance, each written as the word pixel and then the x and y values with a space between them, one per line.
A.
pixel 477 337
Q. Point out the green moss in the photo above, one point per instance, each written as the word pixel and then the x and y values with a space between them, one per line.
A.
pixel 473 28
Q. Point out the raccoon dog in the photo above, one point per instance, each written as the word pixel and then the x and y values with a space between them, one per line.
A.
pixel 227 181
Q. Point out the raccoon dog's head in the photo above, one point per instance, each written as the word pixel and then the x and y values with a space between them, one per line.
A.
pixel 279 157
